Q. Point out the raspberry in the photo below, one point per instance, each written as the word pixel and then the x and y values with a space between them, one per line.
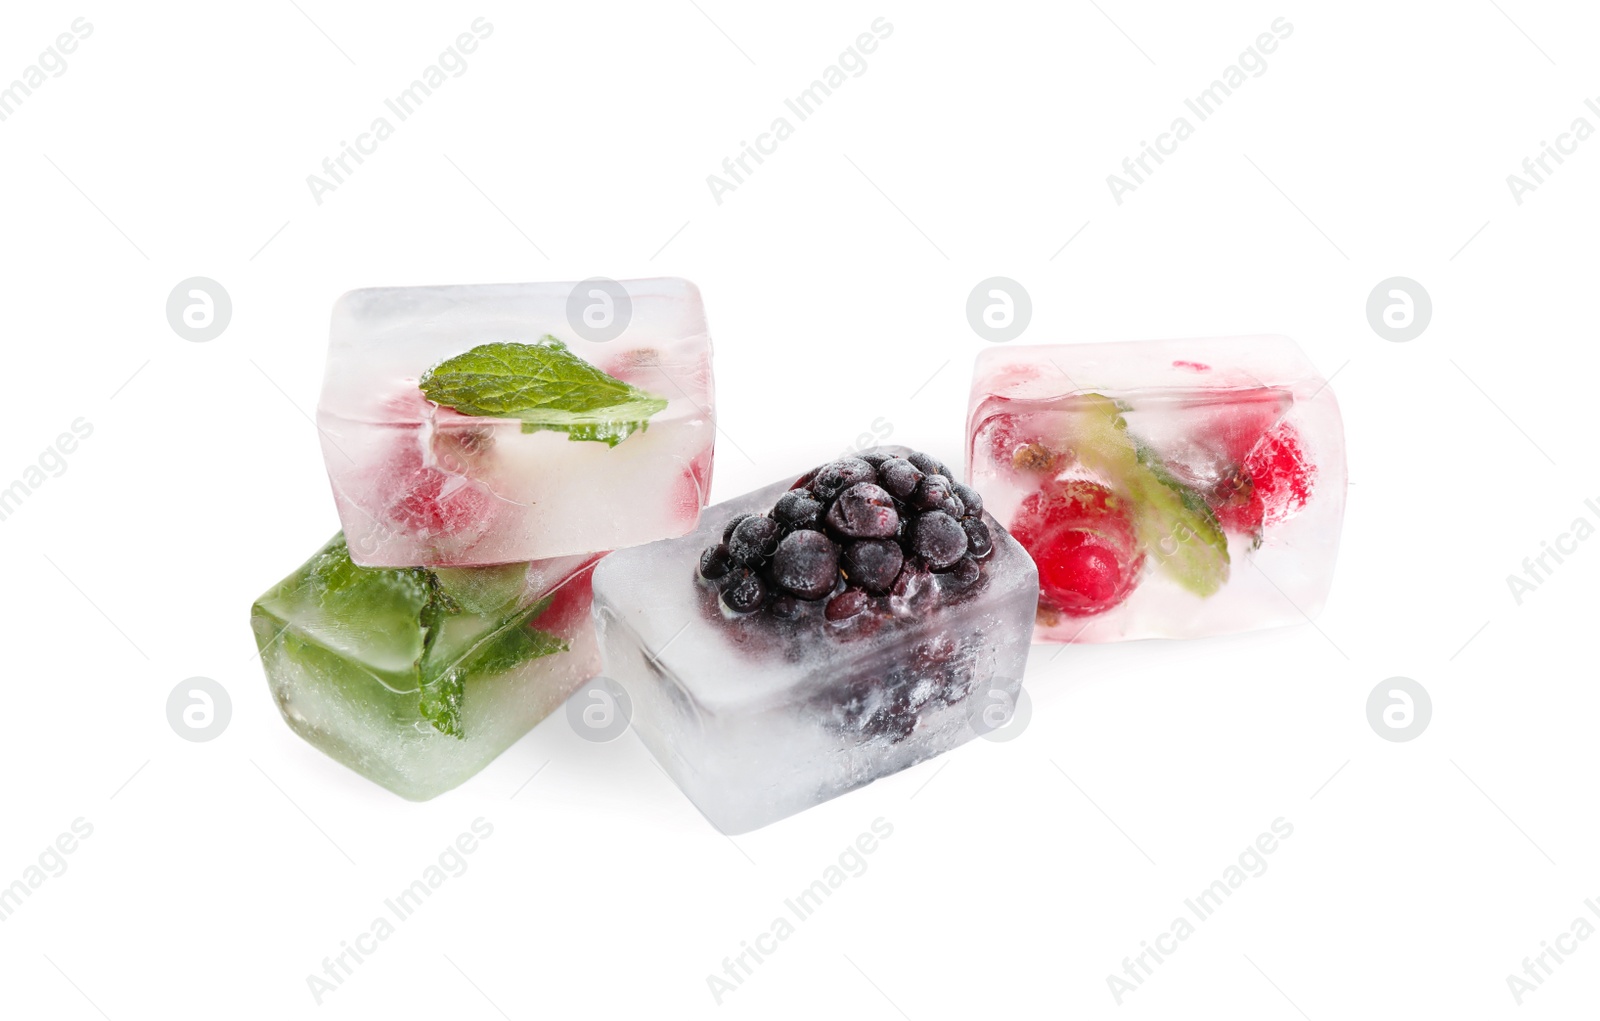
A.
pixel 1273 482
pixel 425 502
pixel 569 604
pixel 1082 539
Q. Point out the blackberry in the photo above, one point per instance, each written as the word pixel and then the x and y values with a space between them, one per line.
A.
pixel 873 564
pixel 953 506
pixel 864 511
pixel 899 477
pixel 912 580
pixel 962 576
pixel 795 510
pixel 784 607
pixel 753 540
pixel 969 498
pixel 835 476
pixel 743 591
pixel 806 564
pixel 927 465
pixel 939 539
pixel 979 541
pixel 715 562
pixel 733 522
pixel 845 605
pixel 875 458
pixel 931 492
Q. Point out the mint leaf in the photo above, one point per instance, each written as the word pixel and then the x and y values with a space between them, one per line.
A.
pixel 1172 521
pixel 513 643
pixel 546 386
pixel 508 645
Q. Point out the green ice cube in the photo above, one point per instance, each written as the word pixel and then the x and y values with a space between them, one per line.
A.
pixel 417 679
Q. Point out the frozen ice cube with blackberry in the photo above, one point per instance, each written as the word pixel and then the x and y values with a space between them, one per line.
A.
pixel 485 424
pixel 817 634
pixel 1166 489
pixel 418 678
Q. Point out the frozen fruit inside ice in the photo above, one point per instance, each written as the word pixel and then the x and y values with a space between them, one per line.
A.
pixel 979 541
pixel 873 564
pixel 428 502
pixel 971 502
pixel 964 574
pixel 569 606
pixel 876 525
pixel 832 478
pixel 743 590
pixel 806 564
pixel 864 511
pixel 1082 538
pixel 795 509
pixel 715 562
pixel 1273 482
pixel 753 540
pixel 899 477
pixel 1019 442
pixel 939 539
pixel 931 492
pixel 846 604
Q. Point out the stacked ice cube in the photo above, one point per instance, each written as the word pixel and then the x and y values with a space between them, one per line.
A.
pixel 428 481
pixel 486 444
pixel 1173 488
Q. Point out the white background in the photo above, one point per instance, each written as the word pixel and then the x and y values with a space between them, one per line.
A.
pixel 976 143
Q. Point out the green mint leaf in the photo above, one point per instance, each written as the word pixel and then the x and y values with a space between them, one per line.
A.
pixel 546 386
pixel 508 645
pixel 376 606
pixel 513 643
pixel 440 691
pixel 1172 521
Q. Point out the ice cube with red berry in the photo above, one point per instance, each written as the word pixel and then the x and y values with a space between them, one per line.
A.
pixel 487 424
pixel 818 634
pixel 1172 488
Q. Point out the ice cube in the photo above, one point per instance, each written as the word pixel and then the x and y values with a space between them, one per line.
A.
pixel 417 679
pixel 1166 489
pixel 417 483
pixel 761 714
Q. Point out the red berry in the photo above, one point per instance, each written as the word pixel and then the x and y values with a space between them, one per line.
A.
pixel 425 502
pixel 569 608
pixel 1081 537
pixel 1272 483
pixel 1256 458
